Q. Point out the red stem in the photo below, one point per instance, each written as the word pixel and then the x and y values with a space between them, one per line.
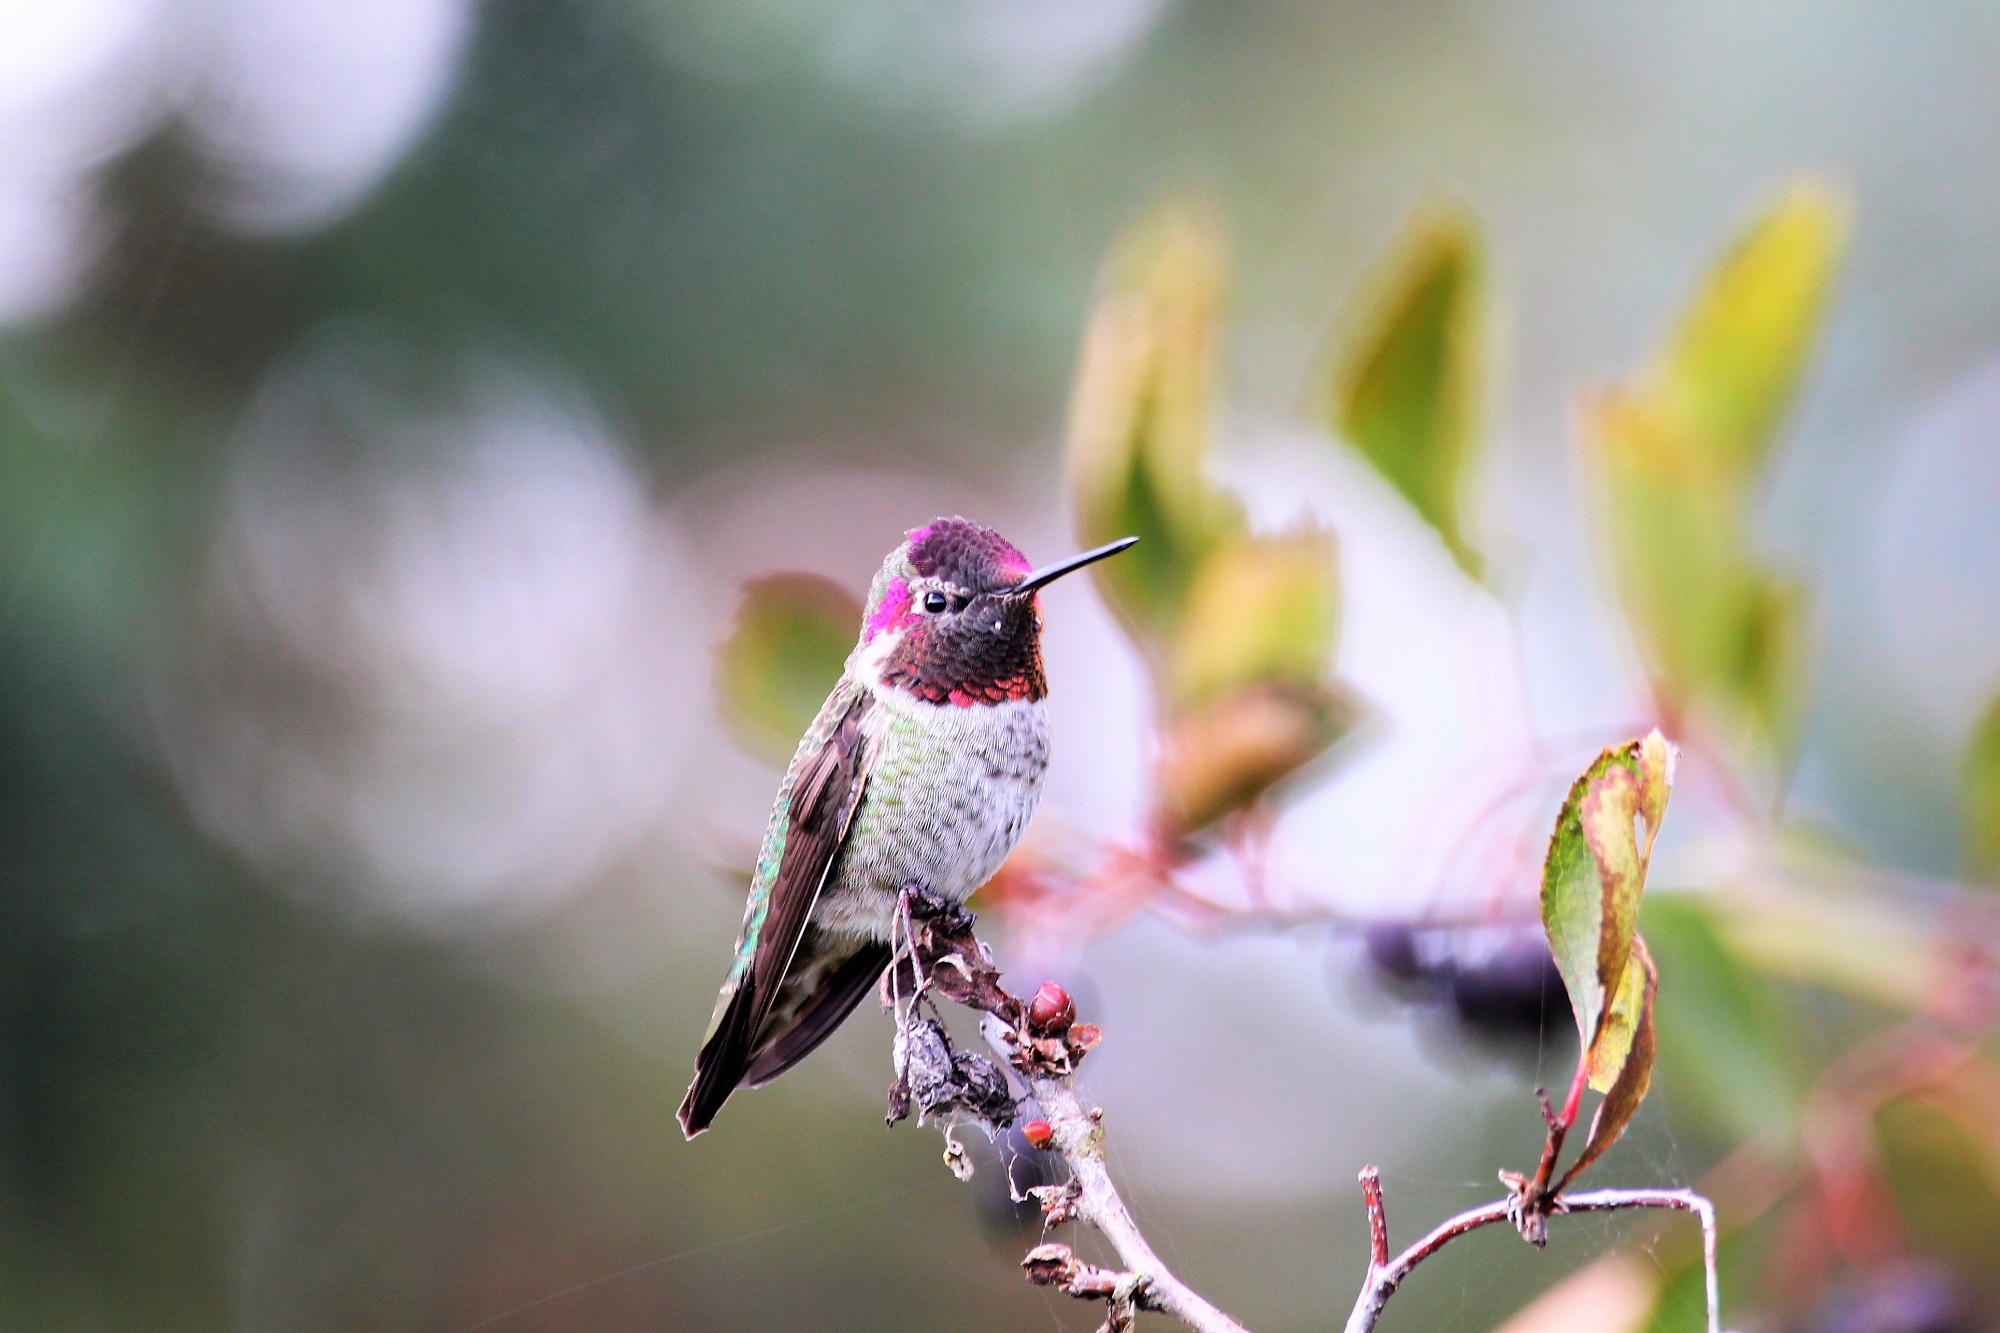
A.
pixel 1378 1219
pixel 1577 1084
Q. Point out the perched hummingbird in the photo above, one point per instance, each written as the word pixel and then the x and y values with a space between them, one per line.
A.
pixel 921 770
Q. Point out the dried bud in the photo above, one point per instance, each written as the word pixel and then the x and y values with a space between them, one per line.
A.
pixel 1051 1011
pixel 1039 1134
pixel 1050 1265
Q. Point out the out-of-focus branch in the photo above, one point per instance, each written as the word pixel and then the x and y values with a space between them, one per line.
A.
pixel 1385 1274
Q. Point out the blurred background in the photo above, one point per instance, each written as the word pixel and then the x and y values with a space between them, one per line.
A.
pixel 395 393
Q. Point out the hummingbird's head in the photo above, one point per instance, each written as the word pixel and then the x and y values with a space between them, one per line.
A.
pixel 952 616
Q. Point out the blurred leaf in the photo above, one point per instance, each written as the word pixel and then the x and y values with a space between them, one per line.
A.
pixel 1406 391
pixel 1139 421
pixel 1809 912
pixel 1676 454
pixel 1261 610
pixel 1229 753
pixel 1595 873
pixel 1981 853
pixel 1725 1036
pixel 783 655
pixel 1616 1294
pixel 1933 1163
pixel 1621 1060
pixel 1735 360
pixel 1970 1095
pixel 1683 1304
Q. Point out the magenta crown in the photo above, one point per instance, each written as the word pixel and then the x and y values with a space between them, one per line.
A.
pixel 967 555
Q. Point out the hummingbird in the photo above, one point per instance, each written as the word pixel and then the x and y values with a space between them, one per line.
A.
pixel 919 774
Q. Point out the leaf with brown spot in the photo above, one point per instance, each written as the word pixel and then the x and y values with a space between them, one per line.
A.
pixel 1595 873
pixel 1635 1069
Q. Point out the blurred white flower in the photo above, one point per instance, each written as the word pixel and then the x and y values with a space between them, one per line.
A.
pixel 306 107
pixel 79 82
pixel 984 62
pixel 299 109
pixel 444 657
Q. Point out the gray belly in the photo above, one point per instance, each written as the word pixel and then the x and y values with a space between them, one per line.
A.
pixel 948 796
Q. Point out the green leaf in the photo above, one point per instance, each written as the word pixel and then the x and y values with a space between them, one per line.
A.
pixel 1139 422
pixel 1595 872
pixel 1406 391
pixel 781 659
pixel 1981 852
pixel 1260 610
pixel 1728 1044
pixel 1676 455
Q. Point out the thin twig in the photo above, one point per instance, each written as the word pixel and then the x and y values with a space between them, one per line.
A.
pixel 1043 1043
pixel 1044 1050
pixel 1386 1275
pixel 1078 1134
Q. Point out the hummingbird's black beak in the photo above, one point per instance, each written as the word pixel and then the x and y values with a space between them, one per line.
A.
pixel 1048 574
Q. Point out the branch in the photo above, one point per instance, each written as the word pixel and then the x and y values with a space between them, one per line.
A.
pixel 1043 1043
pixel 1385 1275
pixel 1078 1134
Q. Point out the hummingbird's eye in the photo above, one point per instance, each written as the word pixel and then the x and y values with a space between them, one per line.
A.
pixel 935 602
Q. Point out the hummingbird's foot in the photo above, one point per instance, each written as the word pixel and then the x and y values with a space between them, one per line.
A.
pixel 923 903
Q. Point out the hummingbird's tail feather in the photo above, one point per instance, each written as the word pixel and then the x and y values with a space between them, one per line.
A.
pixel 724 1056
pixel 833 998
pixel 806 1012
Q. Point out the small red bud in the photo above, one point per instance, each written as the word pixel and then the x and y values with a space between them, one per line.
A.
pixel 1038 1134
pixel 1051 1011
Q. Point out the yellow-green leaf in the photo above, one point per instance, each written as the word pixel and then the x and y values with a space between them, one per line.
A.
pixel 782 656
pixel 1981 839
pixel 1735 359
pixel 1260 610
pixel 1659 758
pixel 1621 1021
pixel 1139 421
pixel 1676 453
pixel 1595 872
pixel 1627 1058
pixel 1406 390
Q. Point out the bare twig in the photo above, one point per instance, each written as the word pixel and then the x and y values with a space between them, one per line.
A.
pixel 1385 1275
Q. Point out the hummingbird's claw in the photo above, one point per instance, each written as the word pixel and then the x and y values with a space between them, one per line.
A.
pixel 923 903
